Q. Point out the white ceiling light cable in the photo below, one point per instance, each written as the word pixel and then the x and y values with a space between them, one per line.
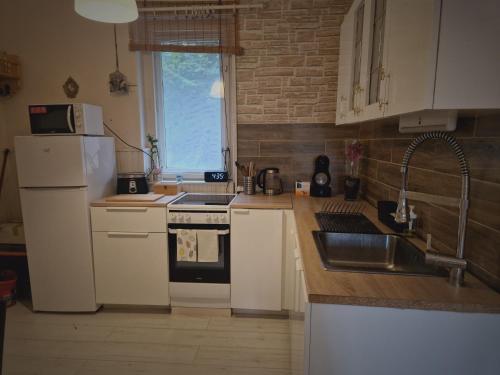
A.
pixel 110 11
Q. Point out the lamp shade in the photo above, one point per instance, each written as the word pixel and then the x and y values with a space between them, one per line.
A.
pixel 111 11
pixel 217 89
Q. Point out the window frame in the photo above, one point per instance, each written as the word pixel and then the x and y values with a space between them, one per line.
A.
pixel 229 105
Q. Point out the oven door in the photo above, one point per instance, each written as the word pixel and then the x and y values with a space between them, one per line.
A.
pixel 52 119
pixel 200 272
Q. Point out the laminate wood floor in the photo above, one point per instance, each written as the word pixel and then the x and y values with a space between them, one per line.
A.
pixel 146 343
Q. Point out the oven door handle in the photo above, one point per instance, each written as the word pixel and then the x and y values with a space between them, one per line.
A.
pixel 219 232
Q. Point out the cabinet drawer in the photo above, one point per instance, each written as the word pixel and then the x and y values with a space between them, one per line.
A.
pixel 131 268
pixel 129 219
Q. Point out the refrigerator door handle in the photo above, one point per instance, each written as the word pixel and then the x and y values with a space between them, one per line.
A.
pixel 68 119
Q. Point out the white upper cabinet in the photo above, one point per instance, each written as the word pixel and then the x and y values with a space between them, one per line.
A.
pixel 345 111
pixel 416 56
pixel 468 65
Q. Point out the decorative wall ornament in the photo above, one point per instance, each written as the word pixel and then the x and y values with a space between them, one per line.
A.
pixel 118 83
pixel 71 88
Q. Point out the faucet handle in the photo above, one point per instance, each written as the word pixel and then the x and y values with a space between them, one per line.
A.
pixel 433 257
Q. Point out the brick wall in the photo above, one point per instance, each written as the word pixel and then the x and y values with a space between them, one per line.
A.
pixel 288 73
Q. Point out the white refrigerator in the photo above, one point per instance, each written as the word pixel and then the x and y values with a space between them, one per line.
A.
pixel 59 176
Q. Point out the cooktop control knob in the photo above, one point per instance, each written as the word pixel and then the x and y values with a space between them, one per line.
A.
pixel 188 219
pixel 173 218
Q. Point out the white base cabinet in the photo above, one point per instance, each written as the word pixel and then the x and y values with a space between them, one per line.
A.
pixel 256 259
pixel 352 340
pixel 131 268
pixel 130 261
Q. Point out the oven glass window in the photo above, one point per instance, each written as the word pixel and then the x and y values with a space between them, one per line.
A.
pixel 201 272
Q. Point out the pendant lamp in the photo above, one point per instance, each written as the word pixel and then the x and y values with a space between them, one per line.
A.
pixel 110 11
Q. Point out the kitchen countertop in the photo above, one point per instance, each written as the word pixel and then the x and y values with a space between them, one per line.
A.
pixel 162 202
pixel 397 291
pixel 281 201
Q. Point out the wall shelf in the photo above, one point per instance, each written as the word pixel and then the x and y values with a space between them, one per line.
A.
pixel 10 74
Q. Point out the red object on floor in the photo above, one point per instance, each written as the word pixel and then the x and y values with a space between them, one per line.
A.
pixel 8 280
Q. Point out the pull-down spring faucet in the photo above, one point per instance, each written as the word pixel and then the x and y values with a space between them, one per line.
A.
pixel 457 264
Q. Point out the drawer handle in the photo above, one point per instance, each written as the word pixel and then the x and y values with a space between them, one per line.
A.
pixel 241 212
pixel 128 234
pixel 126 209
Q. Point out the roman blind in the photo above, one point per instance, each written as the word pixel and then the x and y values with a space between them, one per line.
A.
pixel 205 27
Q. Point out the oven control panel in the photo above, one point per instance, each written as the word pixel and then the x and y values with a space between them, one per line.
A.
pixel 179 217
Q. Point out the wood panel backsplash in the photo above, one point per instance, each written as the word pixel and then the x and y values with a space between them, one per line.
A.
pixel 293 147
pixel 433 169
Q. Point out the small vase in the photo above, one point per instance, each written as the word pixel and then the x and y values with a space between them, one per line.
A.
pixel 351 188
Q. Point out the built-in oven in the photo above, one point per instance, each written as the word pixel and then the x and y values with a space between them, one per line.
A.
pixel 202 279
pixel 195 271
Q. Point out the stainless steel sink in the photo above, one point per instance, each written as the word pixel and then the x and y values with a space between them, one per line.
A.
pixel 373 253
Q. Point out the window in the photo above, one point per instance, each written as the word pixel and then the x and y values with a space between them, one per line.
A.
pixel 191 123
pixel 377 51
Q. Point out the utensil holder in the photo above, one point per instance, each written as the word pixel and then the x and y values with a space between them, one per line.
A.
pixel 249 185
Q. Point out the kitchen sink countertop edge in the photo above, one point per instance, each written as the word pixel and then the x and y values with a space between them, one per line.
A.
pixel 382 290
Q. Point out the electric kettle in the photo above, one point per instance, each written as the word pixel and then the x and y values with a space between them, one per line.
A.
pixel 269 181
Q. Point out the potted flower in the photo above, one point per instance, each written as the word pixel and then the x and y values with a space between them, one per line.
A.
pixel 155 168
pixel 353 153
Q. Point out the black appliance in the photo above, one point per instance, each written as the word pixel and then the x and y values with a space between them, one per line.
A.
pixel 132 183
pixel 75 118
pixel 321 179
pixel 200 212
pixel 269 181
pixel 216 176
pixel 198 272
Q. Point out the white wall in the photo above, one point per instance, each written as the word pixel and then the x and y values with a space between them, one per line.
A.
pixel 53 42
pixel 3 145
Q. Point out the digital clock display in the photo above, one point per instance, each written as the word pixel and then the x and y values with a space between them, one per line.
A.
pixel 216 176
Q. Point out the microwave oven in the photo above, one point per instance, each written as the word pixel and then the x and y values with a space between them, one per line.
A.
pixel 77 118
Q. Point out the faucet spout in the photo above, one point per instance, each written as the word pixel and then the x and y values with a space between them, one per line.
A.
pixel 457 267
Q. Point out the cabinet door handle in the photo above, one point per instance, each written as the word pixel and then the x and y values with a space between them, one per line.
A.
pixel 126 209
pixel 241 212
pixel 128 234
pixel 298 265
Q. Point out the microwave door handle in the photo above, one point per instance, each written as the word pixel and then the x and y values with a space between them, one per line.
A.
pixel 68 119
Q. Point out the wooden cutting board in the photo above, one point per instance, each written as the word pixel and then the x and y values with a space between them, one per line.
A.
pixel 134 198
